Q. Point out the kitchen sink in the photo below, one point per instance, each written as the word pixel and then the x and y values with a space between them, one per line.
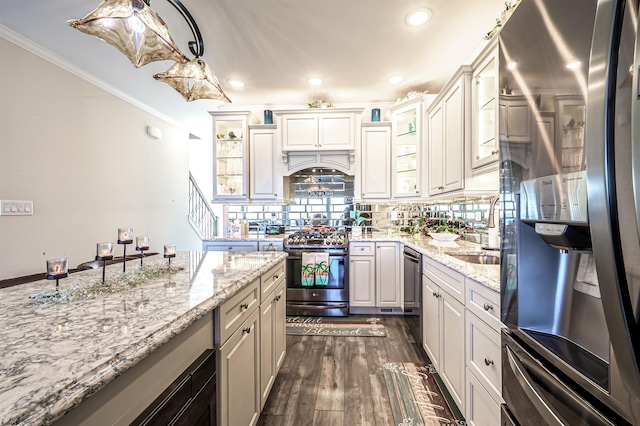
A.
pixel 477 258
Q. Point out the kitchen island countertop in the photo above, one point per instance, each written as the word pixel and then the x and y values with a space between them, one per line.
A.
pixel 54 356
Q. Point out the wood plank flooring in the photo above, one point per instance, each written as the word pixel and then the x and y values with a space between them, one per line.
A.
pixel 336 381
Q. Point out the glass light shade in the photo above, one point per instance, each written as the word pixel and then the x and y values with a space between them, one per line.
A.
pixel 125 235
pixel 132 28
pixel 193 80
pixel 169 250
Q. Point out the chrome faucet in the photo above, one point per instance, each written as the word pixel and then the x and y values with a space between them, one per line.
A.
pixel 492 207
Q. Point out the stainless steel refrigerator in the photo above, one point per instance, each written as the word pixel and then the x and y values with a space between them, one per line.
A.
pixel 570 216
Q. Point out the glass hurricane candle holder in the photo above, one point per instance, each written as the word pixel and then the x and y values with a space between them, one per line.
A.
pixel 56 269
pixel 104 252
pixel 142 244
pixel 125 236
pixel 169 252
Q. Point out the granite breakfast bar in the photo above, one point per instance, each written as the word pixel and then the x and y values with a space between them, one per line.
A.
pixel 58 357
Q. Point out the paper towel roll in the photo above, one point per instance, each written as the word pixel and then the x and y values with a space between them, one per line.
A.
pixel 494 238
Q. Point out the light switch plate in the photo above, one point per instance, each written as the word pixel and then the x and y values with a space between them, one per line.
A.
pixel 16 208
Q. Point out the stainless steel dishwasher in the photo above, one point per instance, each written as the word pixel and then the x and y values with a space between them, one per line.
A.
pixel 412 292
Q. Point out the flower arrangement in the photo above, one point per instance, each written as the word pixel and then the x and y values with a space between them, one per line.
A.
pixel 424 225
pixel 320 104
pixel 509 7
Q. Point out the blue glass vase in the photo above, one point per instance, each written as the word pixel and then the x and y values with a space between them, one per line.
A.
pixel 268 116
pixel 375 114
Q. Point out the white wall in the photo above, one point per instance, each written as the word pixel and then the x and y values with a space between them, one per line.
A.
pixel 82 156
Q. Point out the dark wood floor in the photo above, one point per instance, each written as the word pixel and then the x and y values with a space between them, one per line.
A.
pixel 335 381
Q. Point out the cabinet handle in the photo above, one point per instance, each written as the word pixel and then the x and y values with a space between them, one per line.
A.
pixel 275 195
pixel 244 306
pixel 230 248
pixel 495 152
pixel 488 307
pixel 417 192
pixel 361 248
pixel 275 277
pixel 477 157
pixel 488 362
pixel 246 330
pixel 441 188
pixel 278 297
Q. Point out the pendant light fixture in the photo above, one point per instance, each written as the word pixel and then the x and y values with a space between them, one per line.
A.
pixel 136 30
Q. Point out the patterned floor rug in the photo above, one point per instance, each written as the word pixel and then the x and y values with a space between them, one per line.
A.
pixel 335 326
pixel 416 398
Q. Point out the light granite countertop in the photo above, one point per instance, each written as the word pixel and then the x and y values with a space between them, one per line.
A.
pixel 54 356
pixel 487 275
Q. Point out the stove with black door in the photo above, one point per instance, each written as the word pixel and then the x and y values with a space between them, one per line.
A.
pixel 327 299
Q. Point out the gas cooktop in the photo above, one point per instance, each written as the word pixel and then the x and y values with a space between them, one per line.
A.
pixel 317 238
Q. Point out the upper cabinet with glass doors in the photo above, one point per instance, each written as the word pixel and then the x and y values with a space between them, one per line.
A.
pixel 406 128
pixel 485 142
pixel 230 155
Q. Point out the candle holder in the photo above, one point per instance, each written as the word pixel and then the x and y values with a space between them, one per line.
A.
pixel 142 244
pixel 125 236
pixel 56 269
pixel 104 252
pixel 169 252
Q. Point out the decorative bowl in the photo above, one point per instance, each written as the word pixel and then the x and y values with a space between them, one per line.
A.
pixel 443 236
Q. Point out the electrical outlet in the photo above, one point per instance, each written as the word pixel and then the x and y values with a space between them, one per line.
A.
pixel 16 208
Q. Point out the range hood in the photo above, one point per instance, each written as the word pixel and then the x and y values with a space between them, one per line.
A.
pixel 343 161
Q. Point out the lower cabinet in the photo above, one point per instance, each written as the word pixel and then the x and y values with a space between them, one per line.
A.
pixel 461 336
pixel 374 277
pixel 443 337
pixel 252 339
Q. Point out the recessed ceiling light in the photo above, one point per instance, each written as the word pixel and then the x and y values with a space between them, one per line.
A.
pixel 395 79
pixel 512 65
pixel 418 17
pixel 574 65
pixel 314 81
pixel 236 83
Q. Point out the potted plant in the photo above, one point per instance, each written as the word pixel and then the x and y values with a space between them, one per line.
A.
pixel 357 219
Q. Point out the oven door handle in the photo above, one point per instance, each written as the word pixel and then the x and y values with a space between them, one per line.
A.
pixel 317 307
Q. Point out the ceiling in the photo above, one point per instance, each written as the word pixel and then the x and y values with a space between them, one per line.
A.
pixel 274 46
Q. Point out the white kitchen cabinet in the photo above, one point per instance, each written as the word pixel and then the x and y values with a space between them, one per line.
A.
pixel 272 338
pixel 485 141
pixel 388 284
pixel 265 168
pixel 448 131
pixel 515 119
pixel 571 112
pixel 443 326
pixel 483 353
pixel 230 153
pixel 374 277
pixel 406 143
pixel 376 161
pixel 324 130
pixel 229 246
pixel 362 275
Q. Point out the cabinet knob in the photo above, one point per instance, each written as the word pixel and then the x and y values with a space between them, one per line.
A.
pixel 361 248
pixel 275 277
pixel 246 330
pixel 488 307
pixel 417 192
pixel 477 157
pixel 244 306
pixel 275 195
pixel 230 248
pixel 278 297
pixel 488 362
pixel 495 152
pixel 441 188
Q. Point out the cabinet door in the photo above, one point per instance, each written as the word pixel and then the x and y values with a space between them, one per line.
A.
pixel 484 148
pixel 452 361
pixel 518 121
pixel 336 131
pixel 300 132
pixel 239 375
pixel 454 137
pixel 481 409
pixel 376 162
pixel 263 179
pixel 436 150
pixel 388 288
pixel 230 156
pixel 362 280
pixel 431 320
pixel 406 129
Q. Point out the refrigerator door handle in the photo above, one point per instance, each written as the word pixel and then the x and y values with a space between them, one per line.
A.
pixel 550 415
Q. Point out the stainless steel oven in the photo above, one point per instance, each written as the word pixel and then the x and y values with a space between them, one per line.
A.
pixel 330 299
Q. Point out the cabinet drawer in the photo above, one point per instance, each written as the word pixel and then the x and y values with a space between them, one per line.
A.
pixel 270 280
pixel 483 355
pixel 481 409
pixel 236 310
pixel 446 278
pixel 231 246
pixel 483 302
pixel 362 249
